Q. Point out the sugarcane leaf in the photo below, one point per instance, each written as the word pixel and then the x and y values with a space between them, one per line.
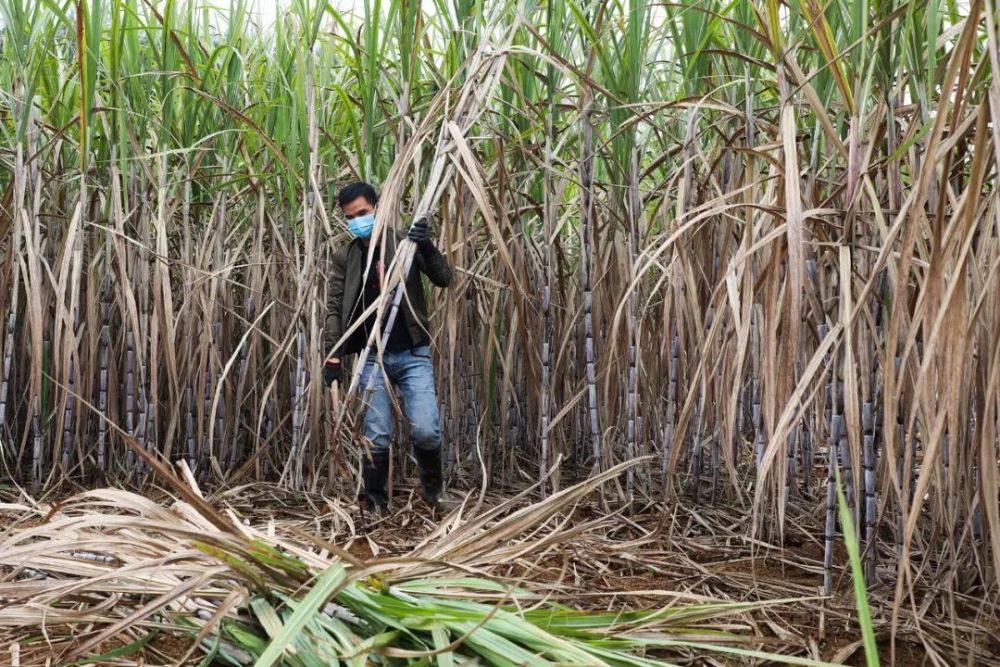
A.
pixel 325 586
pixel 442 641
pixel 857 576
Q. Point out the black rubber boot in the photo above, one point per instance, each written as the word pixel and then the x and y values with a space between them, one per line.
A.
pixel 430 475
pixel 374 474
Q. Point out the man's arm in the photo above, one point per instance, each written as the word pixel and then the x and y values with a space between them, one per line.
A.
pixel 428 258
pixel 334 304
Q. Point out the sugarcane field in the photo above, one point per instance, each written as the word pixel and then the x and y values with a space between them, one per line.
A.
pixel 445 333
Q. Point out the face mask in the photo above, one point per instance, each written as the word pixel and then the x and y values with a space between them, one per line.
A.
pixel 361 226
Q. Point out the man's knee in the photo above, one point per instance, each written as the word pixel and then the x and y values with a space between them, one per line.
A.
pixel 378 430
pixel 425 435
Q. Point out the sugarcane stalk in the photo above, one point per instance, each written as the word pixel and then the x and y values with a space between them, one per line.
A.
pixel 546 368
pixel 697 449
pixel 586 242
pixel 76 269
pixel 8 355
pixel 102 381
pixel 977 512
pixel 236 441
pixel 946 460
pixel 835 424
pixel 668 434
pixel 130 399
pixel 831 506
pixel 450 414
pixel 696 452
pixel 15 290
pixel 812 425
pixel 748 106
pixel 189 423
pixel 758 423
pixel 264 466
pixel 847 465
pixel 719 400
pixel 11 319
pixel 871 423
pixel 142 421
pixel 68 430
pixel 298 393
pixel 471 407
pixel 742 400
pixel 29 233
pixel 807 458
pixel 797 435
pixel 218 435
pixel 716 454
pixel 631 403
pixel 630 407
pixel 790 462
pixel 36 449
pixel 843 445
pixel 206 402
pixel 836 434
pixel 871 494
pixel 47 453
pixel 514 423
pixel 150 426
pixel 491 454
pixel 145 352
pixel 903 495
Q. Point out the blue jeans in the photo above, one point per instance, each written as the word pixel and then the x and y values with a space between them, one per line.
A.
pixel 412 372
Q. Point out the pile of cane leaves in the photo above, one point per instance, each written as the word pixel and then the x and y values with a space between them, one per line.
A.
pixel 433 622
pixel 110 564
pixel 429 621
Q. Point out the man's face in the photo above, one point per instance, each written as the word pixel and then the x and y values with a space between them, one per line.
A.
pixel 356 207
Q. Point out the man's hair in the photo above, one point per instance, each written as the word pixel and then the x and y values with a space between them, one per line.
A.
pixel 354 190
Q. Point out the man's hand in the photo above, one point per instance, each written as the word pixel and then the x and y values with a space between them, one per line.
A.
pixel 332 371
pixel 420 233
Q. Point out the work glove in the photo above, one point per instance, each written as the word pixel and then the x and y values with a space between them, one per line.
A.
pixel 332 372
pixel 420 234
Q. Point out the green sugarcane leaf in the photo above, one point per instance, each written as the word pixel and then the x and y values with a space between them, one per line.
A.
pixel 441 641
pixel 326 585
pixel 858 576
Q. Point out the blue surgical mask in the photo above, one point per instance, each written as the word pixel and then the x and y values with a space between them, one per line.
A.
pixel 361 226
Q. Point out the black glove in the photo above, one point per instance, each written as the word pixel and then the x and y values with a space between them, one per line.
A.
pixel 420 233
pixel 332 372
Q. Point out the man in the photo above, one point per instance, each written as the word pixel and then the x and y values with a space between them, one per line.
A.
pixel 354 286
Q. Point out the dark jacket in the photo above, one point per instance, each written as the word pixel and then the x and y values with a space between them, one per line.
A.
pixel 344 291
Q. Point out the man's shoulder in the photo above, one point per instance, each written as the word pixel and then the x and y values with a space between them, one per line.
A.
pixel 340 254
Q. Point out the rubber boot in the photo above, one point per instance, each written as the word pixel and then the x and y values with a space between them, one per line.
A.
pixel 430 475
pixel 374 474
